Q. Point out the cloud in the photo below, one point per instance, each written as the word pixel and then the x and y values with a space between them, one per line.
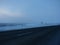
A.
pixel 9 12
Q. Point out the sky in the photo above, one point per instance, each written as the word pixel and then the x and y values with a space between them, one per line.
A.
pixel 29 11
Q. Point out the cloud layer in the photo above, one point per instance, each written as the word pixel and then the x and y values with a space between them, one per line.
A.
pixel 8 12
pixel 30 11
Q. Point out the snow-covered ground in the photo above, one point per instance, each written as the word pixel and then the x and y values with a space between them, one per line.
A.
pixel 22 26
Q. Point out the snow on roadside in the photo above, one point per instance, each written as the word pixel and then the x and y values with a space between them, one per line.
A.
pixel 22 26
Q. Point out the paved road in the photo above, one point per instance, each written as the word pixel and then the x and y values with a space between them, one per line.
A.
pixel 36 36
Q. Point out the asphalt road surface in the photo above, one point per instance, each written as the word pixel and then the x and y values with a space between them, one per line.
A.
pixel 34 36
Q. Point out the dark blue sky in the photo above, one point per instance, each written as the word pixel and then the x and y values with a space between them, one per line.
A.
pixel 31 11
